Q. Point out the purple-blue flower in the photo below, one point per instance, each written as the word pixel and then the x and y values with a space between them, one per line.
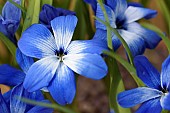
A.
pixel 10 19
pixel 49 12
pixel 60 58
pixel 155 96
pixel 123 17
pixel 10 102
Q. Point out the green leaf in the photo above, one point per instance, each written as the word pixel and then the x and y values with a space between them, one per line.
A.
pixel 165 111
pixel 166 12
pixel 54 106
pixel 120 38
pixel 157 30
pixel 11 47
pixel 126 64
pixel 32 15
pixel 120 89
pixel 50 2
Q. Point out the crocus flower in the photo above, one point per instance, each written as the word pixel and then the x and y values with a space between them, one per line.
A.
pixel 60 58
pixel 49 12
pixel 155 96
pixel 10 102
pixel 123 17
pixel 10 19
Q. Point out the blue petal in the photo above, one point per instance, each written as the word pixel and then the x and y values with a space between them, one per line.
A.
pixel 63 29
pixel 24 61
pixel 102 35
pixel 41 73
pixel 93 3
pixel 136 96
pixel 3 106
pixel 151 106
pixel 118 6
pixel 6 97
pixel 134 41
pixel 49 12
pixel 100 15
pixel 135 13
pixel 8 28
pixel 165 76
pixel 88 65
pixel 150 37
pixel 37 41
pixel 11 12
pixel 86 47
pixel 16 105
pixel 135 4
pixel 165 103
pixel 38 109
pixel 147 73
pixel 63 87
pixel 10 76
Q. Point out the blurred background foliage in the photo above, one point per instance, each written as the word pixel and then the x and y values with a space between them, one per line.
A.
pixel 86 29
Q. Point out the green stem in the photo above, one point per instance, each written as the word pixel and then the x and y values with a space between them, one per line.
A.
pixel 120 38
pixel 54 106
pixel 165 111
pixel 109 38
pixel 128 67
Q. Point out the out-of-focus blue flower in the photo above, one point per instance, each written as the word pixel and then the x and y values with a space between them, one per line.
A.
pixel 10 102
pixel 10 19
pixel 60 58
pixel 49 12
pixel 156 96
pixel 123 17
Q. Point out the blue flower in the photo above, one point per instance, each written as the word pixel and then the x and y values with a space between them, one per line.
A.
pixel 10 102
pixel 59 57
pixel 123 17
pixel 155 96
pixel 93 4
pixel 48 13
pixel 9 20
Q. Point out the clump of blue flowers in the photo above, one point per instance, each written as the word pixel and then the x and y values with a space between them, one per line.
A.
pixel 123 16
pixel 44 62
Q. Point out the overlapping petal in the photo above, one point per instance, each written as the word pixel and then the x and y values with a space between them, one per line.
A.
pixel 151 38
pixel 133 14
pixel 118 6
pixel 63 29
pixel 134 41
pixel 24 61
pixel 49 12
pixel 16 105
pixel 100 15
pixel 10 76
pixel 86 46
pixel 136 96
pixel 102 35
pixel 165 101
pixel 11 12
pixel 37 41
pixel 151 106
pixel 86 64
pixel 165 76
pixel 62 87
pixel 41 73
pixel 3 106
pixel 147 73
